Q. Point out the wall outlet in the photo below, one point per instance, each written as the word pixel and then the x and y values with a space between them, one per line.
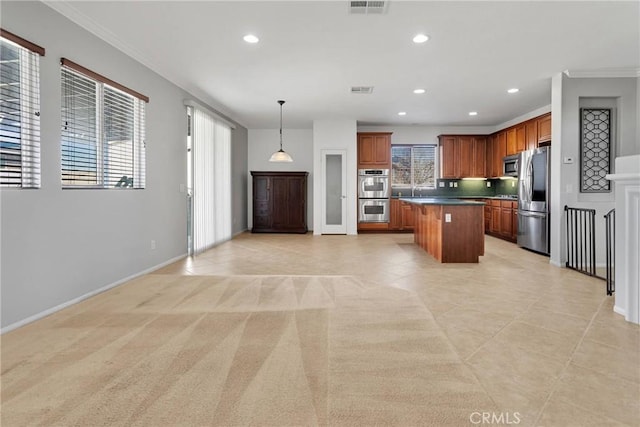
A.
pixel 153 245
pixel 441 184
pixel 513 184
pixel 451 185
pixel 447 217
pixel 488 184
pixel 455 184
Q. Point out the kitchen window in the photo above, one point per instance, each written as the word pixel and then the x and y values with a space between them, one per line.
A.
pixel 19 112
pixel 103 131
pixel 413 167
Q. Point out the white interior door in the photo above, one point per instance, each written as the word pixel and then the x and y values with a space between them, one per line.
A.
pixel 334 191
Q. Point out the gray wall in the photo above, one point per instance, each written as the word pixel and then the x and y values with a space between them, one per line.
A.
pixel 239 172
pixel 59 245
pixel 621 95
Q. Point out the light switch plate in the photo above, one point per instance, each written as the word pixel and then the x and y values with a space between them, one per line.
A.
pixel 567 160
pixel 441 184
pixel 450 184
pixel 455 184
pixel 488 184
pixel 447 217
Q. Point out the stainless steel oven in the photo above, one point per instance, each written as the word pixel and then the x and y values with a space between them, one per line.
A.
pixel 373 210
pixel 373 183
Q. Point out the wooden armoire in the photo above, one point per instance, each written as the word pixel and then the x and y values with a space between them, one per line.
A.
pixel 279 202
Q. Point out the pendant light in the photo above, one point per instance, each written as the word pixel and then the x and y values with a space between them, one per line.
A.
pixel 280 155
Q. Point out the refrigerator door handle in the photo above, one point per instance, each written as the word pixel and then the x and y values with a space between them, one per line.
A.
pixel 532 214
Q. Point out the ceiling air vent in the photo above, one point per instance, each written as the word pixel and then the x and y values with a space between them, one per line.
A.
pixel 364 7
pixel 362 89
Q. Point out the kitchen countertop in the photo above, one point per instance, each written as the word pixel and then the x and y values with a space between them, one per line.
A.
pixel 515 199
pixel 439 201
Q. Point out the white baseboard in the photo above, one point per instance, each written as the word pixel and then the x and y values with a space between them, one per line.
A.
pixel 557 264
pixel 620 311
pixel 66 304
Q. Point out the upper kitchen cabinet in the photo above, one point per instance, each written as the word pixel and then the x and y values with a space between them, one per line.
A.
pixel 447 156
pixel 531 134
pixel 462 156
pixel 499 151
pixel 544 128
pixel 374 150
pixel 521 137
pixel 479 165
pixel 511 141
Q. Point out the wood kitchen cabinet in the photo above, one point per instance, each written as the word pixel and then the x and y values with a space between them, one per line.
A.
pixel 374 150
pixel 511 142
pixel 496 215
pixel 279 202
pixel 506 219
pixel 400 216
pixel 448 155
pixel 462 156
pixel 544 128
pixel 531 134
pixel 479 161
pixel 521 138
pixel 501 219
pixel 499 151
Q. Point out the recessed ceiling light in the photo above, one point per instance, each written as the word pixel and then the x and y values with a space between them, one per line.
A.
pixel 250 38
pixel 420 38
pixel 402 113
pixel 418 91
pixel 473 113
pixel 513 90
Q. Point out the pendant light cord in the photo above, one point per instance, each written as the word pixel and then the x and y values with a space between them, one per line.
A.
pixel 281 102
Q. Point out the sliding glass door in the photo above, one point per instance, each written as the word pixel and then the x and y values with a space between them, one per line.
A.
pixel 208 180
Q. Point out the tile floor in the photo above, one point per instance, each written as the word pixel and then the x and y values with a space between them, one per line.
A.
pixel 542 340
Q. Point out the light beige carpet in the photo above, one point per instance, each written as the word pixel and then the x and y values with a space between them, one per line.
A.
pixel 167 350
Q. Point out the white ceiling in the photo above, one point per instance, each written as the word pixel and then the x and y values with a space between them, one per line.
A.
pixel 311 52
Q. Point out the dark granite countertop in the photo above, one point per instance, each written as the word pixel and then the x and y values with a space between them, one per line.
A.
pixel 456 197
pixel 439 201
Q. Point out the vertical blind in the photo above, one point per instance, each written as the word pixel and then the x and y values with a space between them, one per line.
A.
pixel 103 131
pixel 19 114
pixel 413 166
pixel 211 151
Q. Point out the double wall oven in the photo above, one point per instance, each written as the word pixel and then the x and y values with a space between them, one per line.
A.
pixel 374 190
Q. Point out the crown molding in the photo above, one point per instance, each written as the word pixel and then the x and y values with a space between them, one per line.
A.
pixel 66 9
pixel 604 73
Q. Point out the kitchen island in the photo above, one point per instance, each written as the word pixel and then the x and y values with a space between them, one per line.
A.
pixel 451 230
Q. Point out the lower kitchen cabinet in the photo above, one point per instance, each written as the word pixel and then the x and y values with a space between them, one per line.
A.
pixel 501 219
pixel 400 216
pixel 279 202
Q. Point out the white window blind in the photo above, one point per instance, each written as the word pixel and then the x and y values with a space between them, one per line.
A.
pixel 19 112
pixel 210 144
pixel 103 133
pixel 413 166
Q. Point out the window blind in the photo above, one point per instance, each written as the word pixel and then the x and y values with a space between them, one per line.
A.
pixel 211 180
pixel 423 166
pixel 19 112
pixel 103 131
pixel 413 166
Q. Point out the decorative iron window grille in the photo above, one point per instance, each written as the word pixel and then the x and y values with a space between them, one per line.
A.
pixel 595 149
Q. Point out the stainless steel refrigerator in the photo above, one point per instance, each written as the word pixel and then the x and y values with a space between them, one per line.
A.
pixel 533 199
